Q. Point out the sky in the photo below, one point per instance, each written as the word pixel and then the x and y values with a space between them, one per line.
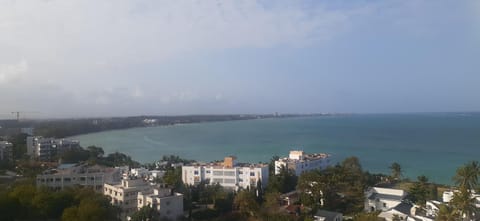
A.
pixel 88 58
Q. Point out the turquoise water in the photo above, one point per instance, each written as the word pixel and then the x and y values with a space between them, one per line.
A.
pixel 424 144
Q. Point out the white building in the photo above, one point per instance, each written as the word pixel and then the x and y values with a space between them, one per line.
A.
pixel 383 199
pixel 300 162
pixel 167 203
pixel 228 174
pixel 402 210
pixel 324 215
pixel 6 151
pixel 46 149
pixel 70 175
pixel 124 194
pixel 448 196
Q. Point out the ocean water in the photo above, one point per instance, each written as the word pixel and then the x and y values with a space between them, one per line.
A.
pixel 424 144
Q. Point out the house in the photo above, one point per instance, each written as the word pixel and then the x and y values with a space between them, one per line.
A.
pixel 323 215
pixel 168 204
pixel 403 210
pixel 124 194
pixel 383 199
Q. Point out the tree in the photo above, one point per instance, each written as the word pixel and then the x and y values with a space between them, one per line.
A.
pixel 246 204
pixel 419 192
pixel 366 217
pixel 146 213
pixel 283 182
pixel 271 204
pixel 446 213
pixel 464 204
pixel 467 180
pixel 467 176
pixel 396 170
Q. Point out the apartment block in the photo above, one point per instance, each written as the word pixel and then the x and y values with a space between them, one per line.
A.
pixel 228 174
pixel 300 162
pixel 71 175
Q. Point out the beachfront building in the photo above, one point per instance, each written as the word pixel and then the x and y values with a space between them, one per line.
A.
pixel 70 175
pixel 6 151
pixel 228 174
pixel 383 199
pixel 168 204
pixel 124 194
pixel 299 162
pixel 46 149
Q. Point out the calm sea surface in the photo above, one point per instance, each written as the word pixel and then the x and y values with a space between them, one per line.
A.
pixel 424 144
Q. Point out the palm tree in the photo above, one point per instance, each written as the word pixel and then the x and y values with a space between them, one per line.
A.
pixel 467 181
pixel 464 204
pixel 396 170
pixel 447 213
pixel 467 176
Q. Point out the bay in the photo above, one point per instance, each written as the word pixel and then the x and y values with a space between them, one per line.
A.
pixel 433 144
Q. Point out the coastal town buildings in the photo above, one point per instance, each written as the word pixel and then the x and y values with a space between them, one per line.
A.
pixel 46 149
pixel 70 175
pixel 300 162
pixel 168 204
pixel 124 194
pixel 229 174
pixel 133 193
pixel 6 151
pixel 383 199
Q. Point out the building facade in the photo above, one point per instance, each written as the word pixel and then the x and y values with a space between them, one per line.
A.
pixel 299 162
pixel 124 194
pixel 228 174
pixel 168 204
pixel 6 151
pixel 70 175
pixel 46 149
pixel 383 199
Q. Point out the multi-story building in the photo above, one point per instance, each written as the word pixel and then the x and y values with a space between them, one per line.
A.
pixel 6 151
pixel 167 203
pixel 124 194
pixel 228 174
pixel 299 162
pixel 69 175
pixel 46 149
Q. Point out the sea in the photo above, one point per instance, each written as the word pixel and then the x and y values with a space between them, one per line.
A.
pixel 430 144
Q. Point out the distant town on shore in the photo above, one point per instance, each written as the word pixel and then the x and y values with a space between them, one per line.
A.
pixel 58 179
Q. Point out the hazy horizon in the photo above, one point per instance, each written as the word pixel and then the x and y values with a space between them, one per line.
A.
pixel 85 58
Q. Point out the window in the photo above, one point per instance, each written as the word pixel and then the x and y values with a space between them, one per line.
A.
pixel 218 173
pixel 252 173
pixel 195 172
pixel 207 171
pixel 384 205
pixel 229 173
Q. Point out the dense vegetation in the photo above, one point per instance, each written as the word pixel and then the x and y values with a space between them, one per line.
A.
pixel 27 202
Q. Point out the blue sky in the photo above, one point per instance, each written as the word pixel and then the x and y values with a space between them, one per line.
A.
pixel 88 58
